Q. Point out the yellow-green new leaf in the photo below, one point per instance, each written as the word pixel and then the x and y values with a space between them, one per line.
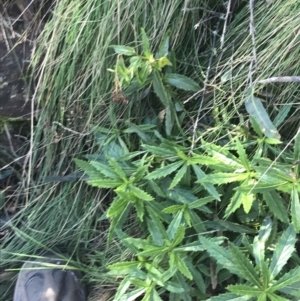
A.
pixel 125 50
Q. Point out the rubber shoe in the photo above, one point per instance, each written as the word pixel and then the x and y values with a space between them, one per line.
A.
pixel 36 282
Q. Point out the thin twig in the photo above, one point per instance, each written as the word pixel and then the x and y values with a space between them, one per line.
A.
pixel 280 79
pixel 225 24
pixel 253 63
pixel 70 130
pixel 9 140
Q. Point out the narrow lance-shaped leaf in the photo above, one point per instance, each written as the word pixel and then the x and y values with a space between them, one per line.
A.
pixel 295 208
pixel 230 297
pixel 163 47
pixel 283 251
pixel 260 240
pixel 146 43
pixel 235 203
pixel 287 279
pixel 221 255
pixel 181 82
pixel 242 155
pixel 223 178
pixel 208 186
pixel 297 147
pixel 275 203
pixel 104 169
pixel 243 264
pixel 182 267
pixel 256 109
pixel 159 89
pixel 243 289
pixel 174 225
pixel 164 171
pixel 179 175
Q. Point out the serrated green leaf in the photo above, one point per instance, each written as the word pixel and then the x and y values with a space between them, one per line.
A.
pixel 183 269
pixel 274 297
pixel 287 279
pixel 174 225
pixel 173 208
pixel 131 296
pixel 221 255
pixel 272 141
pixel 163 47
pixel 104 169
pixel 117 222
pixel 242 155
pixel 88 168
pixel 156 188
pixel 169 119
pixel 104 183
pixel 160 90
pixel 123 266
pixel 209 187
pixel 275 203
pixel 196 221
pixel 203 160
pixel 265 229
pixel 258 251
pixel 181 82
pixel 247 201
pixel 145 44
pixel 226 225
pixel 256 109
pixel 179 236
pixel 265 273
pixel 173 287
pixel 223 178
pixel 191 247
pixel 152 251
pixel 243 289
pixel 246 269
pixel 122 288
pixel 157 218
pixel 262 297
pixel 152 295
pixel 139 193
pixel 125 50
pixel 157 232
pixel 179 175
pixel 230 297
pixel 283 251
pixel 117 169
pixel 158 150
pixel 139 207
pixel 235 203
pixel 297 147
pixel 200 202
pixel 162 172
pixel 117 206
pixel 295 208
